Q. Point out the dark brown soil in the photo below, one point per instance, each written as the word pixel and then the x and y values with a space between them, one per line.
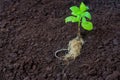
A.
pixel 32 30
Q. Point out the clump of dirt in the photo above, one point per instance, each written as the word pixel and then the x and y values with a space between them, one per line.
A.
pixel 74 49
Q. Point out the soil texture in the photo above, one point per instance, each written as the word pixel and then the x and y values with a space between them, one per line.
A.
pixel 32 30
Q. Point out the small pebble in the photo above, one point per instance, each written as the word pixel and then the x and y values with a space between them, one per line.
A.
pixel 115 42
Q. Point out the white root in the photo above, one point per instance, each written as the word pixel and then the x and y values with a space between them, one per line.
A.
pixel 60 58
pixel 74 48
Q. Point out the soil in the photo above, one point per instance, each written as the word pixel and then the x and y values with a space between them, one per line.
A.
pixel 32 30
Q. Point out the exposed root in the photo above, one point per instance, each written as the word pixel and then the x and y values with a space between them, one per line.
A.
pixel 74 48
pixel 56 52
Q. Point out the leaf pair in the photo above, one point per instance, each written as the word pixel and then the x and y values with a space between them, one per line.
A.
pixel 78 10
pixel 79 14
pixel 87 25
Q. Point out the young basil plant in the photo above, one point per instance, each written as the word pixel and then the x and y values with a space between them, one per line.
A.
pixel 80 15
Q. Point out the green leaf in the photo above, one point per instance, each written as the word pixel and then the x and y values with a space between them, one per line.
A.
pixel 71 19
pixel 87 25
pixel 79 17
pixel 83 19
pixel 83 7
pixel 73 13
pixel 74 9
pixel 87 15
pixel 76 13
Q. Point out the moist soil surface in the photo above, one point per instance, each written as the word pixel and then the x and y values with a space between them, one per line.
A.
pixel 32 30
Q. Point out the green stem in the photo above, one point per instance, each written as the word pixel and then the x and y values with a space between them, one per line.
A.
pixel 78 34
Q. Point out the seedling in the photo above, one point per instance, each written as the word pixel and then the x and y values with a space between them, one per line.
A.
pixel 81 16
